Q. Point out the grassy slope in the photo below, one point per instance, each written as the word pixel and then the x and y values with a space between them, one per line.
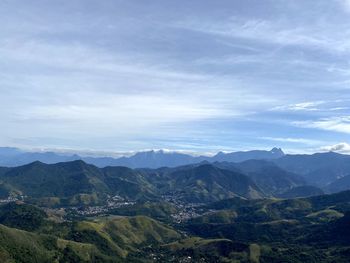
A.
pixel 106 240
pixel 311 229
pixel 122 235
pixel 22 246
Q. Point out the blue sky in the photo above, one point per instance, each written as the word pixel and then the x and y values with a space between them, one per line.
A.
pixel 197 75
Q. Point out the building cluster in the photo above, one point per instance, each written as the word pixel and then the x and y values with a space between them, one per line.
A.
pixel 112 203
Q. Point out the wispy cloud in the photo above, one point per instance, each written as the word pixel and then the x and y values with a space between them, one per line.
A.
pixel 337 124
pixel 274 33
pixel 325 106
pixel 303 106
pixel 293 140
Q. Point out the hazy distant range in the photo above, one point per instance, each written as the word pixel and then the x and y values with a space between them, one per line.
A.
pixel 12 157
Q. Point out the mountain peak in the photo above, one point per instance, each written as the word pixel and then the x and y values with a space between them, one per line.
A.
pixel 35 163
pixel 147 153
pixel 221 153
pixel 278 151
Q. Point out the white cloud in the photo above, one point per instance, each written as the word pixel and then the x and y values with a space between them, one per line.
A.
pixel 339 147
pixel 324 106
pixel 123 111
pixel 139 76
pixel 81 92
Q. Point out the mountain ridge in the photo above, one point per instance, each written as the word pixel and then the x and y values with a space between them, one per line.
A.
pixel 69 182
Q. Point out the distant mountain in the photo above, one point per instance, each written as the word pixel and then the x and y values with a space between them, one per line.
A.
pixel 301 191
pixel 157 159
pixel 236 157
pixel 272 179
pixel 154 159
pixel 339 185
pixel 319 169
pixel 12 157
pixel 45 157
pixel 9 152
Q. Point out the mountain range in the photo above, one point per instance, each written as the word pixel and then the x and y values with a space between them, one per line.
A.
pixel 320 170
pixel 78 183
pixel 149 159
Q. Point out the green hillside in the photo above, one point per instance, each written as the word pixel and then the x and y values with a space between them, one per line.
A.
pixel 21 246
pixel 77 183
pixel 205 183
pixel 22 216
pixel 110 240
pixel 160 211
pixel 314 229
pixel 72 183
pixel 120 236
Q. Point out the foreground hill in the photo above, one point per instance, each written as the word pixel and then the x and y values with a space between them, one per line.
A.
pixel 297 230
pixel 22 246
pixel 121 236
pixel 313 229
pixel 310 229
pixel 109 241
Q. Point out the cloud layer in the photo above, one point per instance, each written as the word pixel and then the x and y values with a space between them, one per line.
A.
pixel 340 147
pixel 199 76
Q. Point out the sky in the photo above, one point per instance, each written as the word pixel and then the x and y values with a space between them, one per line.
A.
pixel 191 75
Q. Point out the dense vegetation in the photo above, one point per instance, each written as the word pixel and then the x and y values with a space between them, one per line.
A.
pixel 313 229
pixel 253 211
pixel 77 183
